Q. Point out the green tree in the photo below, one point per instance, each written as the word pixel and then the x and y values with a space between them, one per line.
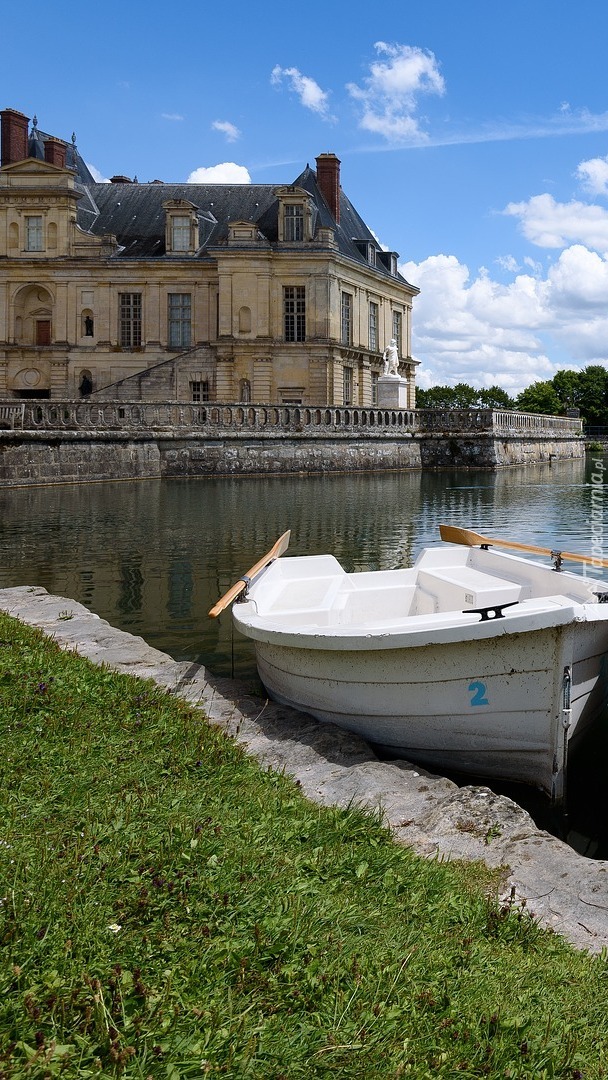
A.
pixel 461 396
pixel 494 397
pixel 568 387
pixel 436 397
pixel 467 397
pixel 540 397
pixel 594 394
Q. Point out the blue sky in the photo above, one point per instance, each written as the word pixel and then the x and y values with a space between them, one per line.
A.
pixel 473 139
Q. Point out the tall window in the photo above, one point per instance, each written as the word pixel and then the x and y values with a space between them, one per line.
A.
pixel 347 319
pixel 33 233
pixel 199 390
pixel 179 320
pixel 293 224
pixel 130 320
pixel 180 233
pixel 347 385
pixel 294 312
pixel 397 326
pixel 373 327
pixel 374 375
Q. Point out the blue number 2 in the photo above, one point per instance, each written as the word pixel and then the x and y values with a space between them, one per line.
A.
pixel 477 690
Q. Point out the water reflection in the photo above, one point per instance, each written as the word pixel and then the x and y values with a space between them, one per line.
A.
pixel 153 556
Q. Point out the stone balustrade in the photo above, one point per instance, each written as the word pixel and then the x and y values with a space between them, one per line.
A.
pixel 11 415
pixel 496 422
pixel 216 418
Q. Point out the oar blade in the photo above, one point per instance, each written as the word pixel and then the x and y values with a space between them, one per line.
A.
pixel 452 534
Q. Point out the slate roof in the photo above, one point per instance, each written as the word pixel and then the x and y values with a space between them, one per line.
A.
pixel 73 160
pixel 134 213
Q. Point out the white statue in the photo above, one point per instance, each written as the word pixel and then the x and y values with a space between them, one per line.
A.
pixel 391 359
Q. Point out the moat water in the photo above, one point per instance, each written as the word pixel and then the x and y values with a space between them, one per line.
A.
pixel 152 557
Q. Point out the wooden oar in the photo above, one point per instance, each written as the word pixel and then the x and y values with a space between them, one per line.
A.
pixel 454 535
pixel 276 550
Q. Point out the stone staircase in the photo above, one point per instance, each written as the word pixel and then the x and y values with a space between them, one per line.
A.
pixel 167 381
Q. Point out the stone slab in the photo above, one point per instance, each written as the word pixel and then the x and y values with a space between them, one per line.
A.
pixel 392 392
pixel 428 813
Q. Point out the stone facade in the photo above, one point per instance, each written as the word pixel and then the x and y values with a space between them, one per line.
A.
pixel 261 293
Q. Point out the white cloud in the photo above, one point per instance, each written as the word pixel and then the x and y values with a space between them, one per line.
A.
pixel 309 92
pixel 550 224
pixel 171 116
pixel 225 173
pixel 579 280
pixel 533 265
pixel 231 132
pixel 478 331
pixel 389 95
pixel 98 177
pixel 508 263
pixel 593 175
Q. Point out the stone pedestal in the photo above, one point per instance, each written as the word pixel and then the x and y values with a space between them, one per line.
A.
pixel 392 392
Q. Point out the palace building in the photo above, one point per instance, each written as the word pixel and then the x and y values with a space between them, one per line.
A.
pixel 193 292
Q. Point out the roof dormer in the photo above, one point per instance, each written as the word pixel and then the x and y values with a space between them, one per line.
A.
pixel 295 224
pixel 181 227
pixel 38 206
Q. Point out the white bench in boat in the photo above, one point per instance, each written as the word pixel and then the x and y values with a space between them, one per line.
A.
pixel 461 588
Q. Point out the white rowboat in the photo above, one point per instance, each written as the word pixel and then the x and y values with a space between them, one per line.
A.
pixel 473 660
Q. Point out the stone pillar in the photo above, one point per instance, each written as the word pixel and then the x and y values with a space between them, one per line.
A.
pixel 319 369
pixel 5 332
pixel 366 384
pixel 261 323
pixel 60 315
pixel 225 304
pixel 262 379
pixel 155 329
pixel 392 392
pixel 224 388
pixel 103 332
pixel 59 379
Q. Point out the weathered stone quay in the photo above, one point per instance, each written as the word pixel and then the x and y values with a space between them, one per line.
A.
pixel 430 814
pixel 48 442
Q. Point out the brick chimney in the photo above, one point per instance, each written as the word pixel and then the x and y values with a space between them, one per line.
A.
pixel 14 136
pixel 328 179
pixel 54 152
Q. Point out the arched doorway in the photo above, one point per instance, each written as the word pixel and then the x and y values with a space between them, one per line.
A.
pixel 33 316
pixel 85 383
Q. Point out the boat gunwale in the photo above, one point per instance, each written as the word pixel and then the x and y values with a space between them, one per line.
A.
pixel 443 628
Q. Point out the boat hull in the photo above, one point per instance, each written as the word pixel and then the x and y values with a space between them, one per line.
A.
pixel 492 708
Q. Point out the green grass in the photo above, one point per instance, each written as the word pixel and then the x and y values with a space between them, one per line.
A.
pixel 168 909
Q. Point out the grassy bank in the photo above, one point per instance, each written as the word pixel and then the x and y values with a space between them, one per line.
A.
pixel 170 910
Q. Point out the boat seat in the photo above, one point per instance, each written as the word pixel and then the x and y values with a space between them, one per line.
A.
pixel 295 596
pixel 461 588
